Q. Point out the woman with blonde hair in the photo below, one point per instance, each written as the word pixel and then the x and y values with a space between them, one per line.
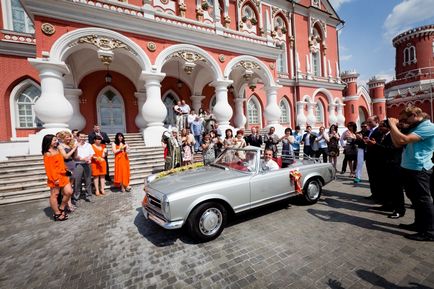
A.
pixel 68 148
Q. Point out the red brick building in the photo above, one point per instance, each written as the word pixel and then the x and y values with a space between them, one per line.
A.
pixel 249 62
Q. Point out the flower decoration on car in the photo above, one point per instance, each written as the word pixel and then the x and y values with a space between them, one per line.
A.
pixel 180 169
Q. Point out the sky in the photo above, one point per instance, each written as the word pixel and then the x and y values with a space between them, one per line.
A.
pixel 365 41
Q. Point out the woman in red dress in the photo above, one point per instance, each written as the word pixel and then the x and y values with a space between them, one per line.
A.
pixel 99 168
pixel 57 176
pixel 122 163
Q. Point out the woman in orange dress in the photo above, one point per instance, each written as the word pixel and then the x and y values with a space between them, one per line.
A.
pixel 56 176
pixel 122 163
pixel 99 168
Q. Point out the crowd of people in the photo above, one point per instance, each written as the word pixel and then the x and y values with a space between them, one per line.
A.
pixel 397 153
pixel 73 158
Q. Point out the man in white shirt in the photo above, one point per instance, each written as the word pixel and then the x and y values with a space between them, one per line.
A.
pixel 185 110
pixel 82 168
pixel 267 164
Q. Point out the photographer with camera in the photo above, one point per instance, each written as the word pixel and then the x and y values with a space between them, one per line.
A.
pixel 416 167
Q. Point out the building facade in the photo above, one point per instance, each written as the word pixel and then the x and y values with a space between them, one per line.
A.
pixel 124 64
pixel 414 72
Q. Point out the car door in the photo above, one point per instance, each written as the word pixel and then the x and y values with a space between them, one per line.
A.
pixel 271 186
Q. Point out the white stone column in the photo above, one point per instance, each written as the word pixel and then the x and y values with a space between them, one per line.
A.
pixel 196 100
pixel 77 120
pixel 139 120
pixel 332 114
pixel 153 110
pixel 52 108
pixel 301 117
pixel 340 116
pixel 222 110
pixel 272 110
pixel 311 119
pixel 239 118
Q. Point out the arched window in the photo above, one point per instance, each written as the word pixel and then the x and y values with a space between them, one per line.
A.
pixel 279 63
pixel 25 103
pixel 316 63
pixel 284 108
pixel 412 54
pixel 319 112
pixel 315 48
pixel 253 112
pixel 409 54
pixel 15 17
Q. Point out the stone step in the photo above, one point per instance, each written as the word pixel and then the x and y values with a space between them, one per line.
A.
pixel 43 192
pixel 40 162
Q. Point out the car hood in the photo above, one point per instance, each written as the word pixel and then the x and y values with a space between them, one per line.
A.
pixel 193 178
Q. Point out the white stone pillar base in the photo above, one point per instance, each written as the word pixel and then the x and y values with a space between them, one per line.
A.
pixel 279 129
pixel 35 140
pixel 152 135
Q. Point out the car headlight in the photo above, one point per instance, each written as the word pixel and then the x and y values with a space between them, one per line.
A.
pixel 165 208
pixel 149 179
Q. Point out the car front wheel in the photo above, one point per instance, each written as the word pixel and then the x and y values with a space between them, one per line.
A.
pixel 312 191
pixel 206 222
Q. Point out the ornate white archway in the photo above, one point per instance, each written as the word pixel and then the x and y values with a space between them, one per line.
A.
pixel 165 55
pixel 253 63
pixel 104 40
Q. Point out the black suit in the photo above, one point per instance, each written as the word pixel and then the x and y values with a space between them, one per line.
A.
pixel 254 140
pixel 105 141
pixel 375 165
pixel 307 149
pixel 392 186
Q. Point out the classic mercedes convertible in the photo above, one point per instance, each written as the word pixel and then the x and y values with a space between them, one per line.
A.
pixel 202 198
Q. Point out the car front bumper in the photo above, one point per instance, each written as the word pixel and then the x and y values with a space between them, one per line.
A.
pixel 161 222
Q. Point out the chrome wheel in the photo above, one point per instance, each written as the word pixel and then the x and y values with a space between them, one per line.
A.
pixel 210 221
pixel 313 190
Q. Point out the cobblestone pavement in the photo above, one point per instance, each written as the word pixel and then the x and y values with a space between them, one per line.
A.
pixel 338 243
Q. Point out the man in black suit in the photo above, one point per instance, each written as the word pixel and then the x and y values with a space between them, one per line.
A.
pixel 374 160
pixel 105 141
pixel 308 139
pixel 254 139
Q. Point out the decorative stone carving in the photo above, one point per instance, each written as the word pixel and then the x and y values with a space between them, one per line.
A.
pixel 222 58
pixel 182 9
pixel 257 3
pixel 314 43
pixel 248 65
pixel 272 66
pixel 105 59
pixel 188 56
pixel 151 46
pixel 105 43
pixel 48 29
pixel 227 21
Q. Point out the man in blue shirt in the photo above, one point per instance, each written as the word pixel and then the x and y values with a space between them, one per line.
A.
pixel 416 167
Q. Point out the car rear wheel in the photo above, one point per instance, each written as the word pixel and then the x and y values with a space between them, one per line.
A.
pixel 312 191
pixel 206 222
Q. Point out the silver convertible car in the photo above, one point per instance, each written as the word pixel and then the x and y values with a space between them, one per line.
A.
pixel 201 199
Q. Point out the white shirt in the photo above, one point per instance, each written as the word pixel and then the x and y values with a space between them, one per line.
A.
pixel 84 151
pixel 269 165
pixel 185 108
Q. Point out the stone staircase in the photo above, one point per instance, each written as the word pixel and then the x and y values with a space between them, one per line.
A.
pixel 22 178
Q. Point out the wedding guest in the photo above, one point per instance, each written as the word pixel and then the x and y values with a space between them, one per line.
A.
pixel 287 152
pixel 208 151
pixel 105 141
pixel 186 146
pixel 68 148
pixel 322 139
pixel 333 145
pixel 308 140
pixel 298 136
pixel 122 163
pixel 254 139
pixel 361 148
pixel 99 168
pixel 373 163
pixel 56 176
pixel 271 140
pixel 83 169
pixel 350 148
pixel 197 129
pixel 267 163
pixel 171 142
pixel 228 142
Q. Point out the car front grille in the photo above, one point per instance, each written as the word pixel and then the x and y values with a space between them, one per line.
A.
pixel 154 202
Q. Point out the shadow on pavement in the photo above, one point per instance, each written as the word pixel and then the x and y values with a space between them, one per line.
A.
pixel 380 282
pixel 348 196
pixel 334 216
pixel 158 236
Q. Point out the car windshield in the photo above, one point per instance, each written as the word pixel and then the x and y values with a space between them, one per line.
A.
pixel 238 159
